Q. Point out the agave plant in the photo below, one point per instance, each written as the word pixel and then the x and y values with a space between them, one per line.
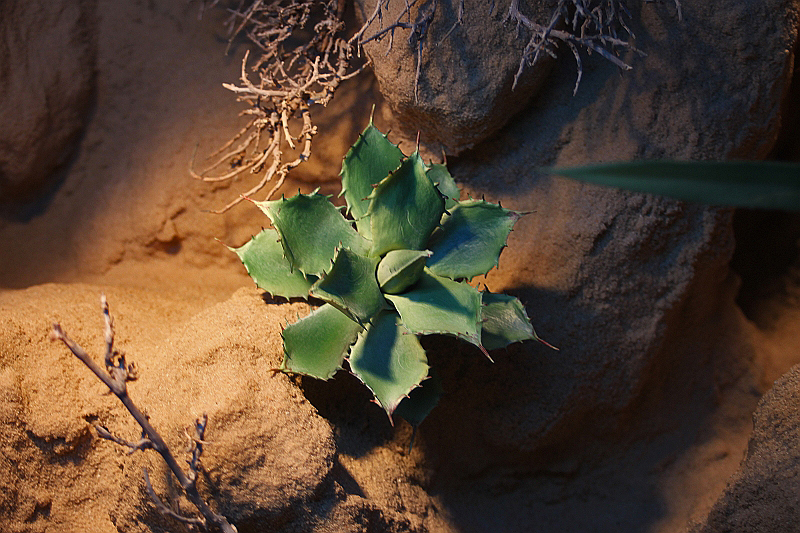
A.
pixel 390 269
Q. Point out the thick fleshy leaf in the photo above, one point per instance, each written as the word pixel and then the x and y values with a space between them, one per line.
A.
pixel 504 321
pixel 317 344
pixel 421 401
pixel 440 305
pixel 399 269
pixel 351 286
pixel 470 239
pixel 388 360
pixel 311 229
pixel 404 209
pixel 367 162
pixel 756 184
pixel 441 177
pixel 263 258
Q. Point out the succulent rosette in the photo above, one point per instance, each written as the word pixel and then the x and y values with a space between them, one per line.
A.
pixel 390 269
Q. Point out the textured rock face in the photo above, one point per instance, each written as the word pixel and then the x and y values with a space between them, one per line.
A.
pixel 723 64
pixel 464 90
pixel 762 497
pixel 621 282
pixel 46 79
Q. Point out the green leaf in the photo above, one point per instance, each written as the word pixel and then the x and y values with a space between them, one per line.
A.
pixel 388 360
pixel 441 177
pixel 351 286
pixel 504 321
pixel 317 344
pixel 400 269
pixel 311 229
pixel 421 401
pixel 756 184
pixel 440 305
pixel 470 239
pixel 367 162
pixel 263 258
pixel 404 209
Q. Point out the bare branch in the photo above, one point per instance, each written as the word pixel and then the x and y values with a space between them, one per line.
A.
pixel 596 25
pixel 163 508
pixel 289 80
pixel 143 443
pixel 115 378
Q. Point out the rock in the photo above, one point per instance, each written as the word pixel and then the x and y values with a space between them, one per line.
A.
pixel 47 64
pixel 762 496
pixel 464 91
pixel 622 283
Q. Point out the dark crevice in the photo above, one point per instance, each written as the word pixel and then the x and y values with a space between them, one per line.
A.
pixel 767 257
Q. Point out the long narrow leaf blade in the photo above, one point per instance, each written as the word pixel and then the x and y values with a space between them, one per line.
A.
pixel 755 184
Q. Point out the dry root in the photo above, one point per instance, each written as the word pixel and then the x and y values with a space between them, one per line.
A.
pixel 595 25
pixel 291 77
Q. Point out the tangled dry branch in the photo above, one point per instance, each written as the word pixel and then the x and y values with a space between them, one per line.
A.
pixel 596 25
pixel 305 56
pixel 303 60
pixel 116 375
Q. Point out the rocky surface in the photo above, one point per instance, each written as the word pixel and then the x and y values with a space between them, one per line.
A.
pixel 762 496
pixel 621 282
pixel 269 456
pixel 463 92
pixel 47 78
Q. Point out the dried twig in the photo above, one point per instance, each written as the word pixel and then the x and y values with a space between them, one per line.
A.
pixel 290 79
pixel 596 25
pixel 116 375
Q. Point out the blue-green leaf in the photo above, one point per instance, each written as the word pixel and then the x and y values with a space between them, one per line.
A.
pixel 470 239
pixel 311 228
pixel 388 360
pixel 440 305
pixel 504 321
pixel 317 344
pixel 367 162
pixel 404 209
pixel 421 401
pixel 351 286
pixel 263 258
pixel 441 177
pixel 400 269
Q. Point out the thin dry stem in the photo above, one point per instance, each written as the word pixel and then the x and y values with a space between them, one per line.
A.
pixel 115 377
pixel 282 85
